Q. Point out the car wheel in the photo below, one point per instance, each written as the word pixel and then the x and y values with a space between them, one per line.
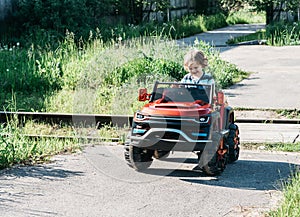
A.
pixel 215 166
pixel 233 141
pixel 138 158
pixel 217 162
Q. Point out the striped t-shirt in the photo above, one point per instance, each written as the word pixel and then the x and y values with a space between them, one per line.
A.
pixel 205 79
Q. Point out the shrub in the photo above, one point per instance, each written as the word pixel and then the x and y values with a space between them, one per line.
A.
pixel 142 67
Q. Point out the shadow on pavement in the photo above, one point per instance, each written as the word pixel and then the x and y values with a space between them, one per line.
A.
pixel 254 175
pixel 243 174
pixel 36 172
pixel 39 171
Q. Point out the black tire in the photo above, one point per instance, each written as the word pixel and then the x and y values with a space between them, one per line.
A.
pixel 217 162
pixel 215 166
pixel 138 158
pixel 233 142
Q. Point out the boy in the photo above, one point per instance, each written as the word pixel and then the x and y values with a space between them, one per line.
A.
pixel 194 63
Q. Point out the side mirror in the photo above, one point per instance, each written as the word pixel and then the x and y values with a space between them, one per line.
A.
pixel 143 95
pixel 220 97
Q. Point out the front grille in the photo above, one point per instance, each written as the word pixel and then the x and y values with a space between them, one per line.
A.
pixel 170 135
pixel 191 128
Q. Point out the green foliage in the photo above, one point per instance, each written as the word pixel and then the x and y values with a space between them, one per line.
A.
pixel 87 76
pixel 142 67
pixel 90 78
pixel 245 17
pixel 280 6
pixel 276 34
pixel 290 5
pixel 294 113
pixel 193 24
pixel 290 205
pixel 78 16
pixel 18 70
pixel 45 31
pixel 283 33
pixel 259 35
pixel 215 21
pixel 16 148
pixel 289 147
pixel 231 6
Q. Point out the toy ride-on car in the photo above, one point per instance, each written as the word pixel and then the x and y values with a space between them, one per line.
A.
pixel 183 117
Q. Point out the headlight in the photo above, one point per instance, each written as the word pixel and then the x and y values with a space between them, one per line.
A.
pixel 140 117
pixel 204 119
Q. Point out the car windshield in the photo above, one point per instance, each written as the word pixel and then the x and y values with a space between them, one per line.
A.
pixel 175 92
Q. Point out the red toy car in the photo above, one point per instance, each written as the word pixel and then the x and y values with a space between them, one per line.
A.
pixel 183 117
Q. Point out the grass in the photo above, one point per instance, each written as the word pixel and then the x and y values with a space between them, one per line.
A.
pixel 259 35
pixel 276 34
pixel 291 202
pixel 101 77
pixel 280 146
pixel 291 188
pixel 105 133
pixel 246 16
pixel 15 148
pixel 83 76
pixel 289 113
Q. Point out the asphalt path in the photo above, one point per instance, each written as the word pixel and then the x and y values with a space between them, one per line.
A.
pixel 98 182
pixel 219 37
pixel 274 82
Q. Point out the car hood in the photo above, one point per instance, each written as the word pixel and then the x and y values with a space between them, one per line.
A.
pixel 189 109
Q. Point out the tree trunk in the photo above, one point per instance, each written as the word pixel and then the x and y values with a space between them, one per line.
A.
pixel 269 13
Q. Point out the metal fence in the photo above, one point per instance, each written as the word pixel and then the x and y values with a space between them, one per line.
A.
pixel 177 9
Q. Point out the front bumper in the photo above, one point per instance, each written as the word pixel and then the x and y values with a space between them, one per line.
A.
pixel 168 139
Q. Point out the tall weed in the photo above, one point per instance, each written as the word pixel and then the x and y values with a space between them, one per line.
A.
pixel 85 76
pixel 246 16
pixel 291 202
pixel 16 148
pixel 283 33
pixel 276 34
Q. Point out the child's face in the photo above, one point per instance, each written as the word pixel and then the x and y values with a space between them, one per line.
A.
pixel 194 68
